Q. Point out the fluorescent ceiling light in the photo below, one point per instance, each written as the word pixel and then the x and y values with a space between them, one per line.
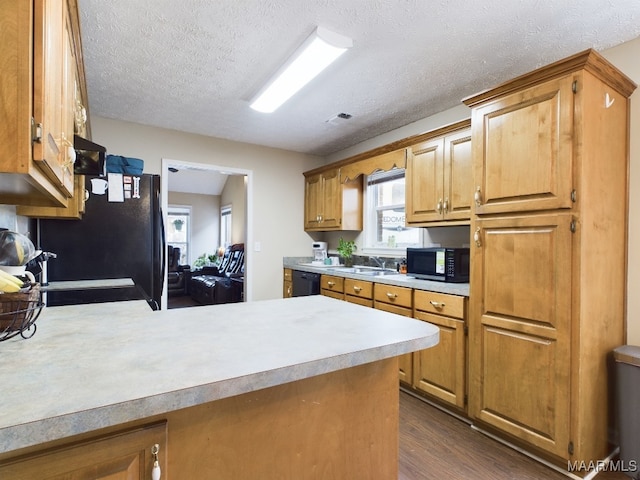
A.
pixel 313 56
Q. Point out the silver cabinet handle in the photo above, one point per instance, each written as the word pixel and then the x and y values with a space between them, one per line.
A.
pixel 437 305
pixel 445 205
pixel 478 196
pixel 391 296
pixel 357 289
pixel 476 237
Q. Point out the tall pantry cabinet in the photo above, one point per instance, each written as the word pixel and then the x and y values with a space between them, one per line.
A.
pixel 548 269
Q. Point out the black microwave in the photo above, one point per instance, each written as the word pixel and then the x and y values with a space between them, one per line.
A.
pixel 439 263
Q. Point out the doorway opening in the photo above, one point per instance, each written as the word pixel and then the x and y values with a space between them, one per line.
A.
pixel 184 178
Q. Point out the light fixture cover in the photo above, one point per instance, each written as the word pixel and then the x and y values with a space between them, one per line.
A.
pixel 313 56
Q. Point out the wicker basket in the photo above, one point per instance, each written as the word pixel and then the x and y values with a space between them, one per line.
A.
pixel 18 311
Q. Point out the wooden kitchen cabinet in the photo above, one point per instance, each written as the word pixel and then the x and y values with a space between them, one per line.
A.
pixel 441 371
pixel 122 455
pixel 548 261
pixel 287 284
pixel 332 286
pixel 398 300
pixel 439 179
pixel 73 210
pixel 331 204
pixel 358 291
pixel 40 84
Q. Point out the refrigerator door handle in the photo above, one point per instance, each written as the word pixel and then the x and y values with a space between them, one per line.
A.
pixel 164 249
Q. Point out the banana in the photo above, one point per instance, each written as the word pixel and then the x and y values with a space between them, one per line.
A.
pixel 8 286
pixel 10 278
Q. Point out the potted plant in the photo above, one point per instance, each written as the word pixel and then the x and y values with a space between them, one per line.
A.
pixel 346 249
pixel 178 224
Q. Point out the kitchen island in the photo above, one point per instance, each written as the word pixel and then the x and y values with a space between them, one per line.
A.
pixel 292 388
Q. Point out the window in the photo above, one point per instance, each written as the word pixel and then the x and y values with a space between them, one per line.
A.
pixel 225 226
pixel 178 230
pixel 385 215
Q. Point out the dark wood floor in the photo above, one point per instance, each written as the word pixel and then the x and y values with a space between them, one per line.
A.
pixel 181 301
pixel 436 446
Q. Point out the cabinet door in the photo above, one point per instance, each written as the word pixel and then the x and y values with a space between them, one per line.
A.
pixel 520 328
pixel 398 300
pixel 441 370
pixel 458 176
pixel 51 46
pixel 424 186
pixel 405 362
pixel 331 200
pixel 312 202
pixel 123 456
pixel 522 150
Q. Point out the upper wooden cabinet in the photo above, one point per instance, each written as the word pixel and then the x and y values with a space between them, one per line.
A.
pixel 439 186
pixel 41 93
pixel 331 204
pixel 524 149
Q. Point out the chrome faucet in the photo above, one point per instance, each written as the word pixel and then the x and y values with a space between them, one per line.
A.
pixel 378 262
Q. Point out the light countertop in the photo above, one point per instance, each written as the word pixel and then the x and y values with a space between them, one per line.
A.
pixel 93 366
pixel 401 280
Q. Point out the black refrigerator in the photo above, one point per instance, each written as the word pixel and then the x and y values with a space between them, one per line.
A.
pixel 120 235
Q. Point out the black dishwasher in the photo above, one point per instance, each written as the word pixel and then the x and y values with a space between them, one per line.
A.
pixel 305 283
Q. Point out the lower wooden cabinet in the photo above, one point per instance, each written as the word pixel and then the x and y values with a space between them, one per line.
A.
pixel 287 285
pixel 124 455
pixel 397 300
pixel 441 371
pixel 332 286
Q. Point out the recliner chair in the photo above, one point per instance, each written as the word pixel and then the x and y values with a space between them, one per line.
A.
pixel 177 275
pixel 221 284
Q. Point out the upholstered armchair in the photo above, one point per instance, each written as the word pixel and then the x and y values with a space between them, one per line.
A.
pixel 223 284
pixel 177 275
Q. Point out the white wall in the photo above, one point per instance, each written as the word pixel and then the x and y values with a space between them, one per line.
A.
pixel 205 221
pixel 234 194
pixel 278 187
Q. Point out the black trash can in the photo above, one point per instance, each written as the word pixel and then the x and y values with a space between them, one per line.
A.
pixel 627 359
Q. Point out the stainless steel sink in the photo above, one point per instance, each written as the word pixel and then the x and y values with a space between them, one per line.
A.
pixel 364 270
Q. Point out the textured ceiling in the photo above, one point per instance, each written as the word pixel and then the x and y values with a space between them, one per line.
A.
pixel 192 65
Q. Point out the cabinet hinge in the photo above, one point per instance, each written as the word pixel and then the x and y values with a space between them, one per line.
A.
pixel 574 86
pixel 36 131
pixel 570 448
pixel 466 399
pixel 572 226
pixel 466 330
pixel 574 196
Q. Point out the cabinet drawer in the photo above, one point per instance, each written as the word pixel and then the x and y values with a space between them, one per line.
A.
pixel 358 288
pixel 439 303
pixel 390 294
pixel 334 284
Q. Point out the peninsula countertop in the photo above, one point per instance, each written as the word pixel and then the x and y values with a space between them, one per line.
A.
pixel 94 366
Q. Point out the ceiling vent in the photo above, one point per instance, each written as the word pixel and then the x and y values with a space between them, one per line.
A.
pixel 339 118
